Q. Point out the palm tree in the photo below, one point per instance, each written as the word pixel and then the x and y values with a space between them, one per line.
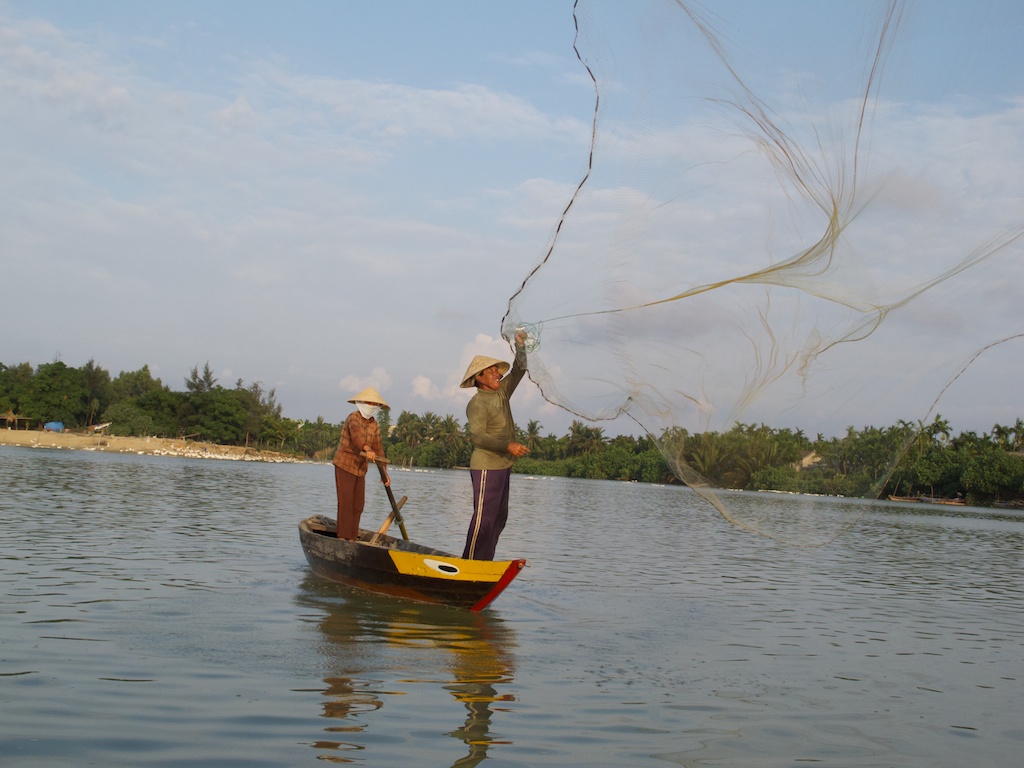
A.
pixel 449 433
pixel 595 440
pixel 584 439
pixel 706 455
pixel 431 426
pixel 317 438
pixel 1001 436
pixel 576 438
pixel 532 434
pixel 409 430
pixel 758 453
pixel 940 427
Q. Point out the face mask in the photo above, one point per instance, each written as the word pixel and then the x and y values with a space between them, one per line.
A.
pixel 367 410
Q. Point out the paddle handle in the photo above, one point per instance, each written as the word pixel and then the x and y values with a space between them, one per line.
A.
pixel 395 508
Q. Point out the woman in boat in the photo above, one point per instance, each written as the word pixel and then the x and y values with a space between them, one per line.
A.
pixel 494 446
pixel 359 446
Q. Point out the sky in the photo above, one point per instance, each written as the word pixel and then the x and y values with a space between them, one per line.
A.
pixel 322 196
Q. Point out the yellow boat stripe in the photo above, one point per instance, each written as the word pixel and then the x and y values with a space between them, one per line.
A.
pixel 454 568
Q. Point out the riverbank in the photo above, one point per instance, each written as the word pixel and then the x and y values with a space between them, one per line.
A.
pixel 154 446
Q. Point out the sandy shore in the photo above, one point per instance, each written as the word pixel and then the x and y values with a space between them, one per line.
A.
pixel 155 446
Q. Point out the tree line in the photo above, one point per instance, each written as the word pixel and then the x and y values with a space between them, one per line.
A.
pixel 136 404
pixel 907 459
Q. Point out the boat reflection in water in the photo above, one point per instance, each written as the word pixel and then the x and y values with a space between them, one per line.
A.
pixel 378 647
pixel 480 663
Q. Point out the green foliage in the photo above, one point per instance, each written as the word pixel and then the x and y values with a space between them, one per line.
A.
pixel 779 478
pixel 906 459
pixel 57 393
pixel 166 408
pixel 991 473
pixel 216 415
pixel 198 383
pixel 428 441
pixel 133 384
pixel 584 440
pixel 129 419
pixel 652 465
pixel 96 382
pixel 15 383
pixel 317 439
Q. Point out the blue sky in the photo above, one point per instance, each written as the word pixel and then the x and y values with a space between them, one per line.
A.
pixel 322 196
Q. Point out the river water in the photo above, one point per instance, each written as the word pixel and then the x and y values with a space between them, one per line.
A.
pixel 159 612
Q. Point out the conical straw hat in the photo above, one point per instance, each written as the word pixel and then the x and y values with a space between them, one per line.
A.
pixel 369 395
pixel 481 363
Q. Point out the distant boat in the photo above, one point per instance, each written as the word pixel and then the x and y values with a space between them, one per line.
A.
pixel 399 568
pixel 936 500
pixel 930 500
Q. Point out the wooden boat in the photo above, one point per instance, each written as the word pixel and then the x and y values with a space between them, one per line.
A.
pixel 929 500
pixel 391 566
pixel 958 502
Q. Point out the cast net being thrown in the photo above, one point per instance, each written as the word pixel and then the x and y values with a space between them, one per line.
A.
pixel 814 232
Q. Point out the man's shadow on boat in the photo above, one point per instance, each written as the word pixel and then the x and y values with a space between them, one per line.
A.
pixel 361 631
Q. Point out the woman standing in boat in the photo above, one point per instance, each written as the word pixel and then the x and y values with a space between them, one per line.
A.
pixel 359 446
pixel 494 446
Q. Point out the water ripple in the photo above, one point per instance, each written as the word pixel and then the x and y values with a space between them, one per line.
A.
pixel 168 599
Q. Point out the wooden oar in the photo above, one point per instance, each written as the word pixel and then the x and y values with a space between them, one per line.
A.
pixel 395 507
pixel 376 538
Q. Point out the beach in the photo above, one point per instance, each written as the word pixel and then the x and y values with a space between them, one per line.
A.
pixel 155 446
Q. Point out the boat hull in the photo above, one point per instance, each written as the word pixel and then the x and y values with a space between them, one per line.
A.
pixel 403 568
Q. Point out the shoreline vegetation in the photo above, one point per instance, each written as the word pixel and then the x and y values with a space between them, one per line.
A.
pixel 184 448
pixel 135 413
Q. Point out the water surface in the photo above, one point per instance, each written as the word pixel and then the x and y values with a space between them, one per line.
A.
pixel 159 612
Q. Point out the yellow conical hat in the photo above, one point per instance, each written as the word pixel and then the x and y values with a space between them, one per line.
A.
pixel 369 395
pixel 481 363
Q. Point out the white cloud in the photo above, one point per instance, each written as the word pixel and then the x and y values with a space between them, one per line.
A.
pixel 424 388
pixel 379 379
pixel 301 224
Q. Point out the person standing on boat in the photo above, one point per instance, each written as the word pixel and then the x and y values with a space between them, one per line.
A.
pixel 494 446
pixel 360 445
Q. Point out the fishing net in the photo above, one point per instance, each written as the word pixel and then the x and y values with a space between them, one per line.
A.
pixel 812 233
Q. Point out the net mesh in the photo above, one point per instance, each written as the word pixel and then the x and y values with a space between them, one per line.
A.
pixel 775 235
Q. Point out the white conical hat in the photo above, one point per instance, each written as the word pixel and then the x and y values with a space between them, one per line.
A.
pixel 369 395
pixel 481 363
